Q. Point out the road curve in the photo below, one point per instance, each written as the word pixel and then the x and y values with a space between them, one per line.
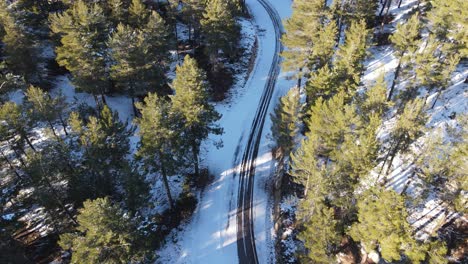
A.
pixel 246 248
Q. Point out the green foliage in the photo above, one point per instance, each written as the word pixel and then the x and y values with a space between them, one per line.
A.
pixel 304 29
pixel 330 121
pixel 220 29
pixel 448 22
pixel 15 122
pixel 406 35
pixel 350 57
pixel 138 14
pixel 322 83
pixel 140 57
pixel 104 142
pixel 104 235
pixel 375 99
pixel 160 147
pixel 191 108
pixel 286 121
pixel 83 30
pixel 382 225
pixel 44 108
pixel 19 46
pixel 320 233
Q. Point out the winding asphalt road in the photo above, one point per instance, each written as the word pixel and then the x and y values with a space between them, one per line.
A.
pixel 246 248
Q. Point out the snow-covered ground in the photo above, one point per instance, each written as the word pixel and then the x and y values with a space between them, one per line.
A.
pixel 211 235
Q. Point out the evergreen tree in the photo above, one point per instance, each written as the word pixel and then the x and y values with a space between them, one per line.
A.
pixel 119 11
pixel 140 57
pixel 304 168
pixel 409 126
pixel 160 146
pixel 190 105
pixel 404 41
pixel 350 57
pixel 19 47
pixel 193 13
pixel 220 30
pixel 44 108
pixel 448 23
pixel 302 32
pixel 138 14
pixel 45 171
pixel 9 81
pixel 375 99
pixel 320 233
pixel 83 30
pixel 330 121
pixel 16 122
pixel 104 142
pixel 322 83
pixel 382 226
pixel 136 189
pixel 104 235
pixel 286 120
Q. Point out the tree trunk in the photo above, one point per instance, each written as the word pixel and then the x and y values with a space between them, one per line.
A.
pixel 195 151
pixel 98 104
pixel 397 72
pixel 394 152
pixel 29 142
pixel 383 8
pixel 399 4
pixel 11 165
pixel 437 98
pixel 166 185
pixel 53 130
pixel 63 125
pixel 59 200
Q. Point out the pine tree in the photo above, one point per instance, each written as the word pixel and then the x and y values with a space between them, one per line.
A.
pixel 301 35
pixel 322 83
pixel 190 105
pixel 140 57
pixel 104 235
pixel 9 81
pixel 104 142
pixel 330 121
pixel 160 147
pixel 16 122
pixel 350 57
pixel 220 30
pixel 286 121
pixel 304 168
pixel 193 13
pixel 83 30
pixel 404 41
pixel 320 232
pixel 138 14
pixel 119 11
pixel 135 187
pixel 19 47
pixel 44 108
pixel 375 99
pixel 45 170
pixel 382 226
pixel 409 126
pixel 448 23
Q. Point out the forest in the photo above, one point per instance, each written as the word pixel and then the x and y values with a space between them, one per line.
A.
pixel 109 107
pixel 340 147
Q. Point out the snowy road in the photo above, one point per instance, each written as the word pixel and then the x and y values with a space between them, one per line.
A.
pixel 211 236
pixel 246 247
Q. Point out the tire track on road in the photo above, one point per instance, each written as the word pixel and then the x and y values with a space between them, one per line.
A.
pixel 246 248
